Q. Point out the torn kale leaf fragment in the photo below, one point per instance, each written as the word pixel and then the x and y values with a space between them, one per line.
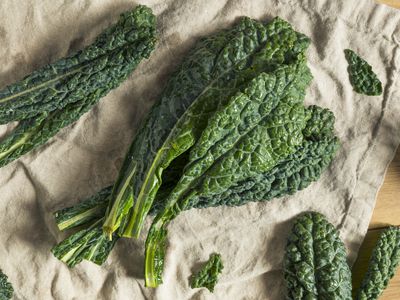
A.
pixel 208 275
pixel 362 78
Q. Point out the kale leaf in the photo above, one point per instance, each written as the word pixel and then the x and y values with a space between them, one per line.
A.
pixel 96 69
pixel 315 265
pixel 208 276
pixel 58 94
pixel 363 79
pixel 6 289
pixel 382 266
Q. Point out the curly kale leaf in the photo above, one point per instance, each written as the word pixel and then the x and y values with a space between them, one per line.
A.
pixel 59 94
pixel 315 265
pixel 6 289
pixel 94 70
pixel 363 79
pixel 382 266
pixel 217 67
pixel 208 276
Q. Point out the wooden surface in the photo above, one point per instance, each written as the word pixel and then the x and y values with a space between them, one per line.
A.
pixel 386 212
pixel 393 3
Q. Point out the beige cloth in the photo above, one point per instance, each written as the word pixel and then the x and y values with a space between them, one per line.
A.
pixel 86 156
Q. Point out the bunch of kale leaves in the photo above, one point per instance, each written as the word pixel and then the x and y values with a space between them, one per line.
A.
pixel 230 127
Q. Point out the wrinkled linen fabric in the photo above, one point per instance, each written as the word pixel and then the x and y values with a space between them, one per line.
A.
pixel 86 156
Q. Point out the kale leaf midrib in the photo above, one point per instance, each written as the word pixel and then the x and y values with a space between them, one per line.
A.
pixel 41 85
pixel 315 274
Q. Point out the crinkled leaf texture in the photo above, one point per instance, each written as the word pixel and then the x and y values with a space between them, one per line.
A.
pixel 382 266
pixel 6 289
pixel 214 70
pixel 363 79
pixel 231 127
pixel 315 265
pixel 208 275
pixel 60 93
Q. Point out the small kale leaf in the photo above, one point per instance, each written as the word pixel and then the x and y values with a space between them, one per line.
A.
pixel 363 79
pixel 208 276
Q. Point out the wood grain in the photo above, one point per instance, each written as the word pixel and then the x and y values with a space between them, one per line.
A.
pixel 387 208
pixel 386 212
pixel 393 3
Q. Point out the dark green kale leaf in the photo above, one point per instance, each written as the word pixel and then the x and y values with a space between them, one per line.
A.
pixel 320 125
pixel 382 266
pixel 208 276
pixel 89 243
pixel 94 70
pixel 217 67
pixel 315 265
pixel 6 289
pixel 133 40
pixel 90 209
pixel 294 173
pixel 363 79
